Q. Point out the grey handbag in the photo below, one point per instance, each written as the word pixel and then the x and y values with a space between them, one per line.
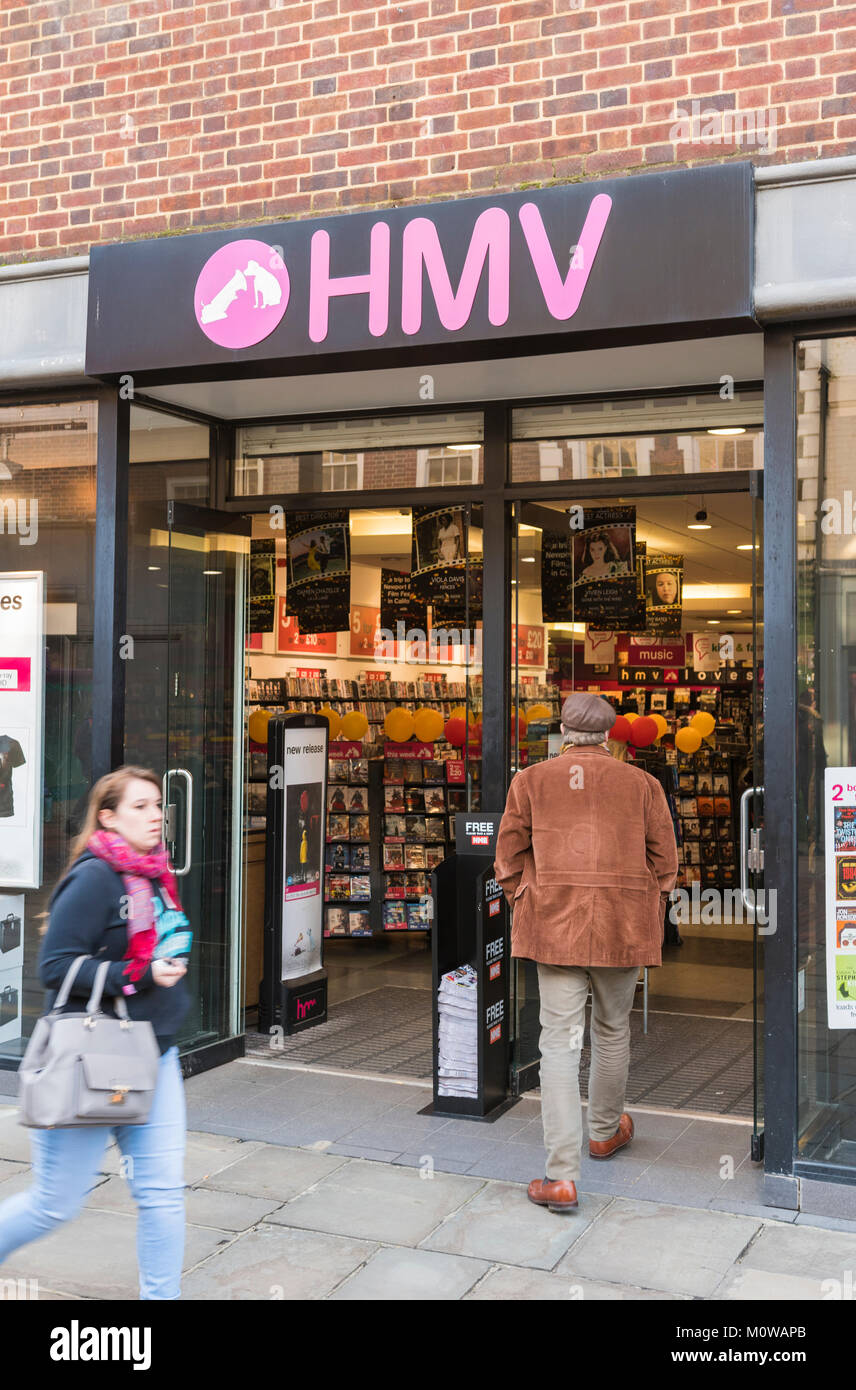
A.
pixel 88 1068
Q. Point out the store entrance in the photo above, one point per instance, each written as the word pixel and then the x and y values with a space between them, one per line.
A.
pixel 654 599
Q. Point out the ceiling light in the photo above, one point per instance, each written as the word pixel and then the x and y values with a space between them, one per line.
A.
pixel 154 567
pixel 734 610
pixel 747 547
pixel 731 429
pixel 212 571
pixel 701 522
pixel 713 622
pixel 527 559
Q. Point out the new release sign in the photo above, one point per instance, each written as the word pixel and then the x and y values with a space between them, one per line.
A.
pixel 21 725
pixel 304 790
pixel 840 832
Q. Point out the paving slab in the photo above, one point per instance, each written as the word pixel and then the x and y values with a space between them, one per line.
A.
pixel 224 1211
pixel 379 1201
pixel 205 1155
pixel 14 1138
pixel 501 1225
pixel 395 1275
pixel 8 1169
pixel 441 1165
pixel 273 1263
pixel 273 1172
pixel 509 1283
pixel 660 1247
pixel 95 1255
pixel 765 1287
pixel 806 1252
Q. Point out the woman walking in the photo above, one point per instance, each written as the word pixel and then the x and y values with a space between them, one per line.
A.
pixel 118 902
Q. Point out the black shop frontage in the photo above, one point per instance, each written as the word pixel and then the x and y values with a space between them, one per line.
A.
pixel 338 463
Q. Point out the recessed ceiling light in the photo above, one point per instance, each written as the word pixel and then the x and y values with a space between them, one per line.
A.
pixel 212 571
pixel 154 567
pixel 713 622
pixel 747 547
pixel 527 559
pixel 731 429
pixel 734 610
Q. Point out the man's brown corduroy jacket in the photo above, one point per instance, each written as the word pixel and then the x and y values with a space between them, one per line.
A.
pixel 585 854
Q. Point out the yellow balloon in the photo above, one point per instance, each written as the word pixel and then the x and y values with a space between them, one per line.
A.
pixel 333 719
pixel 428 725
pixel 688 740
pixel 703 722
pixel 538 712
pixel 631 717
pixel 459 712
pixel 257 725
pixel 398 725
pixel 662 726
pixel 354 725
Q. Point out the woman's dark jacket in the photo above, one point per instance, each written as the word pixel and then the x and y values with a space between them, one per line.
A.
pixel 86 920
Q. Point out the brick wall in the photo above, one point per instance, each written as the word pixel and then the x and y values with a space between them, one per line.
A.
pixel 154 117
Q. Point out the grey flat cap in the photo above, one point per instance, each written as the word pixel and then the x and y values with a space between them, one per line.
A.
pixel 585 713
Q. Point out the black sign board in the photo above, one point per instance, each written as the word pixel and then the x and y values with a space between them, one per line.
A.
pixel 475 832
pixel 526 271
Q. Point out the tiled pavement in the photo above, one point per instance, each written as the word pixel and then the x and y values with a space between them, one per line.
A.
pixel 306 1185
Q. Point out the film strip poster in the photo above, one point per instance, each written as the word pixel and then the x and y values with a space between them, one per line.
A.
pixel 439 556
pixel 399 603
pixel 262 586
pixel 464 607
pixel 664 583
pixel 604 566
pixel 640 624
pixel 557 587
pixel 840 841
pixel 319 570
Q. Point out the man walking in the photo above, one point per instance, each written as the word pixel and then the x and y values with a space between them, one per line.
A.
pixel 586 856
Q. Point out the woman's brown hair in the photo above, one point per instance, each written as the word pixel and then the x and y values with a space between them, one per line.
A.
pixel 105 796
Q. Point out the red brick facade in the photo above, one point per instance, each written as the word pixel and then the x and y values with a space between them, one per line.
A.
pixel 153 117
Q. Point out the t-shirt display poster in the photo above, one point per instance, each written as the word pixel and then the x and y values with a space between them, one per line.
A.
pixel 262 585
pixel 603 540
pixel 304 778
pixel 664 582
pixel 399 603
pixel 839 800
pixel 21 728
pixel 319 569
pixel 439 556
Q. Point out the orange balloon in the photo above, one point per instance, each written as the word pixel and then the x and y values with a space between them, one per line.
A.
pixel 688 740
pixel 398 725
pixel 354 725
pixel 704 722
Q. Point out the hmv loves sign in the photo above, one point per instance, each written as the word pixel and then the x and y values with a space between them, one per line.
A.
pixel 534 267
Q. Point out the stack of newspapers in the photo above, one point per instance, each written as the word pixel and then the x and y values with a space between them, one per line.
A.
pixel 458 1059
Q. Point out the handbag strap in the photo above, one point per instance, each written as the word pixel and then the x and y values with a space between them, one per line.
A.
pixel 65 988
pixel 93 1004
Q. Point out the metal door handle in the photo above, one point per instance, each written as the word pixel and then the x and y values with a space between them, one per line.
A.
pixel 751 853
pixel 188 818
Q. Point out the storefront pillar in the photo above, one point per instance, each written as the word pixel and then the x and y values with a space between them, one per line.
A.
pixel 110 652
pixel 496 628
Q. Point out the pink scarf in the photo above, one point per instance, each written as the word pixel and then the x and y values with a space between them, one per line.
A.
pixel 139 872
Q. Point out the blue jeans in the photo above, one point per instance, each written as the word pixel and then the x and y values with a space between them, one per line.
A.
pixel 66 1163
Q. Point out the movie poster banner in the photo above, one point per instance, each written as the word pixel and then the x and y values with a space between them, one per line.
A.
pixel 466 604
pixel 439 555
pixel 319 570
pixel 604 566
pixel 400 603
pixel 839 801
pixel 304 780
pixel 262 585
pixel 664 582
pixel 557 589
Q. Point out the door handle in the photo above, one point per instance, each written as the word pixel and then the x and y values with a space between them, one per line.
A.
pixel 751 853
pixel 169 818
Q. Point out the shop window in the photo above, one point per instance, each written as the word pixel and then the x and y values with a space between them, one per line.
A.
pixel 448 466
pixel 342 472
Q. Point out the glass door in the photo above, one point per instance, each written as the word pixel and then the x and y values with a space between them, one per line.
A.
pixel 758 900
pixel 205 554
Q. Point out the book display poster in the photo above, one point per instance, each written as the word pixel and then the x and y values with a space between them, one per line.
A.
pixel 304 781
pixel 664 582
pixel 604 566
pixel 839 801
pixel 399 602
pixel 262 585
pixel 319 570
pixel 557 590
pixel 21 728
pixel 439 556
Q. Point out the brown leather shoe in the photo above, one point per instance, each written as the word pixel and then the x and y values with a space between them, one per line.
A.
pixel 605 1148
pixel 559 1194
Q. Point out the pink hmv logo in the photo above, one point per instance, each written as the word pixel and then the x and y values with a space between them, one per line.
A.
pixel 304 1006
pixel 241 294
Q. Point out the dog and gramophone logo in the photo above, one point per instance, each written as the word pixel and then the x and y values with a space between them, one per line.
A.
pixel 241 294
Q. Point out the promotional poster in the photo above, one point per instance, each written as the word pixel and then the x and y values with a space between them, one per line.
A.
pixel 439 562
pixel 604 566
pixel 399 602
pixel 262 585
pixel 557 588
pixel 11 964
pixel 664 580
pixel 319 569
pixel 840 838
pixel 21 728
pixel 304 778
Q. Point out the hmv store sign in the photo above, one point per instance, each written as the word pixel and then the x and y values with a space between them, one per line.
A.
pixel 535 267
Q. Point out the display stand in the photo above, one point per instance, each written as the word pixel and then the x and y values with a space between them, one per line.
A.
pixel 293 993
pixel 471 927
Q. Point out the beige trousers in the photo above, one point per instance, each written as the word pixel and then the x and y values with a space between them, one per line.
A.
pixel 563 990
